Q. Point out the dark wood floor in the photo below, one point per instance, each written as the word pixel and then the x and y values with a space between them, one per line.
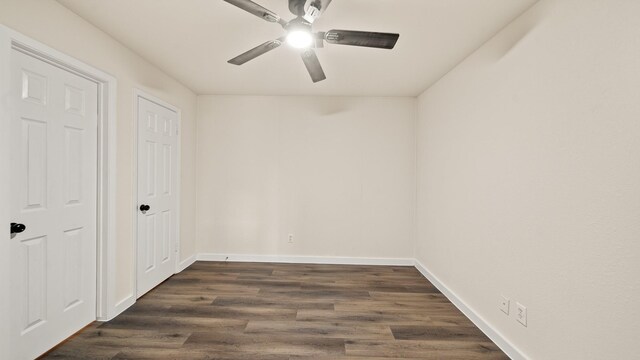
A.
pixel 286 312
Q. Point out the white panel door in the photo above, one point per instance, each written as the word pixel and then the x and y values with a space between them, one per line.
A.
pixel 53 194
pixel 157 176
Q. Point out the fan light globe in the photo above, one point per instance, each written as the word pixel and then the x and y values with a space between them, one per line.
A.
pixel 299 39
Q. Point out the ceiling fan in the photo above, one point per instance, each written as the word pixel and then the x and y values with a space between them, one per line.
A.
pixel 299 34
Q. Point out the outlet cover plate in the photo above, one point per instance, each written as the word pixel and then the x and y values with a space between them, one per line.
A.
pixel 521 314
pixel 503 303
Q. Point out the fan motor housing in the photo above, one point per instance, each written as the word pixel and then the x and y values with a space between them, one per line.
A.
pixel 299 23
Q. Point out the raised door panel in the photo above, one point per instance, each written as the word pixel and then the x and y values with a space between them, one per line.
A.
pixel 73 165
pixel 33 275
pixel 150 168
pixel 166 125
pixel 165 236
pixel 34 87
pixel 167 169
pixel 152 122
pixel 72 278
pixel 33 156
pixel 149 244
pixel 74 100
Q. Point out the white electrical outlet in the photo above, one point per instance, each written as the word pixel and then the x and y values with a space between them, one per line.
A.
pixel 521 314
pixel 503 303
pixel 290 238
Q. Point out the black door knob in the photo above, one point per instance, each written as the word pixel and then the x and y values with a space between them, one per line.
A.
pixel 17 228
pixel 144 207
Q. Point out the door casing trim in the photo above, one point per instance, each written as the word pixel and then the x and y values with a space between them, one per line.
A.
pixel 10 39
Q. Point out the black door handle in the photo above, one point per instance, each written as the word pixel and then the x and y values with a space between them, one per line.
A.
pixel 144 208
pixel 17 228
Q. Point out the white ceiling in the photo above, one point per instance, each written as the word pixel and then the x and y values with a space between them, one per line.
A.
pixel 192 40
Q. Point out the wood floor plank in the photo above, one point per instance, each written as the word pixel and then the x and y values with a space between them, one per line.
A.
pixel 191 354
pixel 258 344
pixel 132 337
pixel 233 312
pixel 318 294
pixel 452 333
pixel 181 324
pixel 424 306
pixel 402 296
pixel 320 329
pixel 77 353
pixel 367 316
pixel 424 349
pixel 177 299
pixel 271 302
pixel 260 311
pixel 346 357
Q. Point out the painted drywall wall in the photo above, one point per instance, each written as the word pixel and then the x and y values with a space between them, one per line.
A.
pixel 528 179
pixel 337 173
pixel 54 25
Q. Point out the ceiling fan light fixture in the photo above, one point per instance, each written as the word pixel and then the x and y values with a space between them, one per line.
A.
pixel 312 13
pixel 300 39
pixel 300 35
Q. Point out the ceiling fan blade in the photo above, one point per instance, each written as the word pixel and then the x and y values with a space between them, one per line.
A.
pixel 255 52
pixel 313 65
pixel 257 10
pixel 362 38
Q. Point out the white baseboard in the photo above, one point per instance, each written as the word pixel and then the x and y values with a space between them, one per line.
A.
pixel 511 350
pixel 307 259
pixel 128 301
pixel 186 263
pixel 119 307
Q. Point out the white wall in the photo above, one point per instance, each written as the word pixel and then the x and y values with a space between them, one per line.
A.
pixel 52 24
pixel 528 171
pixel 338 173
pixel 529 179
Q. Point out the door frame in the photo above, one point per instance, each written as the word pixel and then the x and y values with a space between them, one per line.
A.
pixel 106 304
pixel 138 94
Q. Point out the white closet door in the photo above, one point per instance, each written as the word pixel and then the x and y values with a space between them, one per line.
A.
pixel 53 194
pixel 157 177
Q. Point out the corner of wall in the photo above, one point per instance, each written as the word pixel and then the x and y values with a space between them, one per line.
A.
pixel 499 339
pixel 416 123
